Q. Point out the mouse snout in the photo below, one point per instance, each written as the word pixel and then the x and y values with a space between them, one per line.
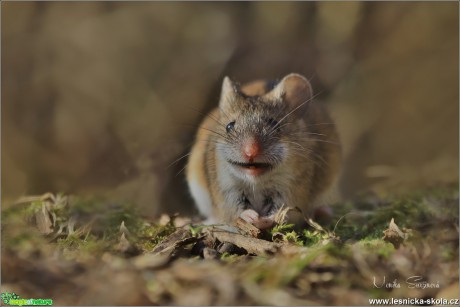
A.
pixel 251 149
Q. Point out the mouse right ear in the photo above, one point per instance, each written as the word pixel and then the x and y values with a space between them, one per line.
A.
pixel 228 93
pixel 295 90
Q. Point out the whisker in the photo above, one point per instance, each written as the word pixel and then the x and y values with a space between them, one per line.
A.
pixel 304 137
pixel 310 158
pixel 223 112
pixel 212 141
pixel 273 130
pixel 313 155
pixel 295 109
pixel 320 124
pixel 215 119
pixel 323 141
pixel 217 133
pixel 295 143
pixel 194 126
pixel 314 133
pixel 206 115
pixel 180 171
pixel 184 156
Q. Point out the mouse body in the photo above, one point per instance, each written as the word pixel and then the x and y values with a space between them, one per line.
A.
pixel 265 146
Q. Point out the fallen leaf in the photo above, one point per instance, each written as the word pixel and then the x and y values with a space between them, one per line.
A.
pixel 394 235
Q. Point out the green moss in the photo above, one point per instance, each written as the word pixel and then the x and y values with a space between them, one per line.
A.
pixel 18 232
pixel 196 230
pixel 89 225
pixel 448 254
pixel 229 258
pixel 378 247
pixel 105 216
pixel 309 237
pixel 305 237
pixel 24 239
pixel 413 211
pixel 281 228
pixel 148 236
pixel 337 253
pixel 89 244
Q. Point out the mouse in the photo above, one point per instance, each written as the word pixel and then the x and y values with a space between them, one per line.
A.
pixel 264 146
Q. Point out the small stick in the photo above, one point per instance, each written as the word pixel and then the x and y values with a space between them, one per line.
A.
pixel 251 245
pixel 248 228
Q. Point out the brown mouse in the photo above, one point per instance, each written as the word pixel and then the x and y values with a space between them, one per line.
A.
pixel 266 145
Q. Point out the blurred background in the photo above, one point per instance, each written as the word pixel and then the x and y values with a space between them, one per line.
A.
pixel 99 98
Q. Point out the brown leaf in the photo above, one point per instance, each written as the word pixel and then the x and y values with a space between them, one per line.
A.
pixel 209 253
pixel 149 261
pixel 174 241
pixel 394 235
pixel 126 247
pixel 43 220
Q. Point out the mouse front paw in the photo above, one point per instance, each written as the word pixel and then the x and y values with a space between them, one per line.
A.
pixel 253 217
pixel 249 216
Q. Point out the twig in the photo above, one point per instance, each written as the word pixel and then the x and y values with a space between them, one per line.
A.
pixel 251 245
pixel 248 228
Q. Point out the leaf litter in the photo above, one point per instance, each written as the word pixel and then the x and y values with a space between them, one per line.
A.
pixel 90 251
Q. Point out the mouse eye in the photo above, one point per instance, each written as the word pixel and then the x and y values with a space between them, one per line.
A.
pixel 230 127
pixel 273 123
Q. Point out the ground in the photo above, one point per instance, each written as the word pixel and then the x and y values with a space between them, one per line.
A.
pixel 80 251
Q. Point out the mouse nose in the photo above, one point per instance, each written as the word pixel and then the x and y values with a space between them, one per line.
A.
pixel 251 149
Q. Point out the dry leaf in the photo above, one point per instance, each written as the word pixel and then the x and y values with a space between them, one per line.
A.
pixel 394 235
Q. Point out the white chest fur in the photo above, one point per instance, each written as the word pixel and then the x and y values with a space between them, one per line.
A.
pixel 260 193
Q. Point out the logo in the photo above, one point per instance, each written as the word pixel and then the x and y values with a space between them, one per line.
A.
pixel 12 299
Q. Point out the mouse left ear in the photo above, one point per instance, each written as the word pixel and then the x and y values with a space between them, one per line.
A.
pixel 228 93
pixel 295 90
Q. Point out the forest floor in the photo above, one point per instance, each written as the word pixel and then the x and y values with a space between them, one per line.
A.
pixel 79 251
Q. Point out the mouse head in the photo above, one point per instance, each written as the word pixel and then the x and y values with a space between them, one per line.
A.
pixel 254 126
pixel 293 92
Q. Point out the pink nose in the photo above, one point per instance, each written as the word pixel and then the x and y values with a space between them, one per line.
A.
pixel 251 149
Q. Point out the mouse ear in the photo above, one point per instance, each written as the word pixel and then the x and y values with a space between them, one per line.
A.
pixel 228 93
pixel 295 90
